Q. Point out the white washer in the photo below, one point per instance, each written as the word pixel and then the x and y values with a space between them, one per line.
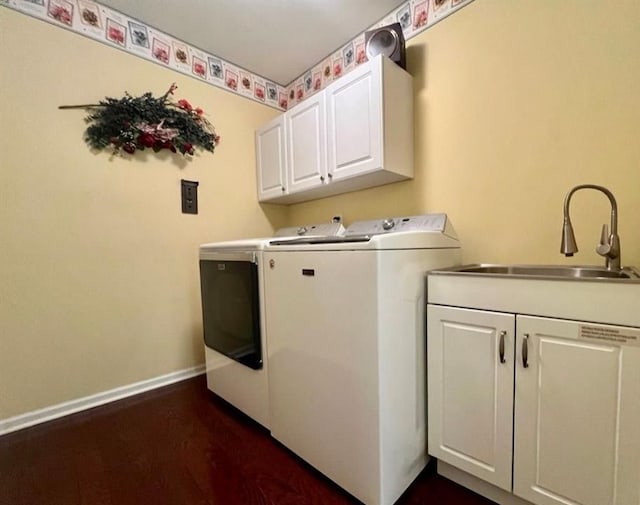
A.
pixel 347 359
pixel 232 294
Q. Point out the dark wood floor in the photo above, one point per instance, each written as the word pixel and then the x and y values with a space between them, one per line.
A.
pixel 179 445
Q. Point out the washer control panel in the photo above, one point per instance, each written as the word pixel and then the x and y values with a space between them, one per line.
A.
pixel 425 222
pixel 324 229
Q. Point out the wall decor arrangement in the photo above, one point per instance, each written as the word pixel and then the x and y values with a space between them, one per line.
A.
pixel 136 123
pixel 111 27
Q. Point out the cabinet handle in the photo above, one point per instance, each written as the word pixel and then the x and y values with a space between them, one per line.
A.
pixel 525 350
pixel 501 346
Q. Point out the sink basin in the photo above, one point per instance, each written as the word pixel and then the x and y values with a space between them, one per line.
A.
pixel 549 271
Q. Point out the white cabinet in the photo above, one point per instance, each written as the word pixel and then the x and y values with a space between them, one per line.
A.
pixel 355 134
pixel 271 160
pixel 574 401
pixel 470 397
pixel 354 111
pixel 370 124
pixel 306 144
pixel 577 413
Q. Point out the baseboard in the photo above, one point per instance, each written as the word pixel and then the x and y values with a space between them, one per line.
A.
pixel 493 493
pixel 32 418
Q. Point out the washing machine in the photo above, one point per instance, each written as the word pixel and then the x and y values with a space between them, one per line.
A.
pixel 233 316
pixel 347 349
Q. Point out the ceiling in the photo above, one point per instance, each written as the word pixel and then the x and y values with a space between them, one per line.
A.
pixel 277 39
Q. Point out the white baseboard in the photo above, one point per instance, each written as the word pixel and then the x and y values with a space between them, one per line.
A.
pixel 494 493
pixel 64 409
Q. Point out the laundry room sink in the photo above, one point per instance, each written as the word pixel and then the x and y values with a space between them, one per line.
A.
pixel 591 273
pixel 569 292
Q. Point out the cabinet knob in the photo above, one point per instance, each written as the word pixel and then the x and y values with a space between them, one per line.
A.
pixel 322 178
pixel 283 190
pixel 330 176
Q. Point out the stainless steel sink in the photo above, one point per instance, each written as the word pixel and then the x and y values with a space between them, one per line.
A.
pixel 549 272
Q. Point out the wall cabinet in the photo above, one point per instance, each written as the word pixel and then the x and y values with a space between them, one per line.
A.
pixel 306 145
pixel 355 134
pixel 355 122
pixel 271 160
pixel 556 399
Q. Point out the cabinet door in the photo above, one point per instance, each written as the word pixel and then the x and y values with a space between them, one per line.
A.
pixel 354 122
pixel 470 390
pixel 577 413
pixel 271 161
pixel 306 144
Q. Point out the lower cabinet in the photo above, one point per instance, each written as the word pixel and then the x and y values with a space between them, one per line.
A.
pixel 547 409
pixel 470 391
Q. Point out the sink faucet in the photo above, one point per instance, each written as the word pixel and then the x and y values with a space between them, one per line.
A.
pixel 609 246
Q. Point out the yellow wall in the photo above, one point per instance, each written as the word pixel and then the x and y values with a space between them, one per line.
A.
pixel 516 102
pixel 99 284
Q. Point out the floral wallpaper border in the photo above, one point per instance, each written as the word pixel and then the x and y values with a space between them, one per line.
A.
pixel 414 16
pixel 118 30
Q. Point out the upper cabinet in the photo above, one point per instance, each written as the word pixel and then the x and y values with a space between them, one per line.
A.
pixel 355 123
pixel 271 160
pixel 356 133
pixel 370 124
pixel 306 144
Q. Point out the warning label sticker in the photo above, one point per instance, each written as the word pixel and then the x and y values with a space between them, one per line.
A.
pixel 612 335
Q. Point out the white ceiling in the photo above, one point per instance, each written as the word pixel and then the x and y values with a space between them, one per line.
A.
pixel 277 39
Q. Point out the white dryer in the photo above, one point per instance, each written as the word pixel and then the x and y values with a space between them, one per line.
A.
pixel 347 359
pixel 232 294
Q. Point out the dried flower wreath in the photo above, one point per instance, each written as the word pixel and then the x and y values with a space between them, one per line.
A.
pixel 136 123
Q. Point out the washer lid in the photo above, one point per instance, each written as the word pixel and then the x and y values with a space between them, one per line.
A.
pixel 321 240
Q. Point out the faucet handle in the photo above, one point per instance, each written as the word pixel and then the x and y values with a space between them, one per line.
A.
pixel 604 234
pixel 604 247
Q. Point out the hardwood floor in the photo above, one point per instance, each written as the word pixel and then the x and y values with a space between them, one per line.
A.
pixel 178 445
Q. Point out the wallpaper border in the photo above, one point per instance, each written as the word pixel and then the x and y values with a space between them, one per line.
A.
pixel 123 32
pixel 414 16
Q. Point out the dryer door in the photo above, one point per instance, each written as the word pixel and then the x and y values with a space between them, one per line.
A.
pixel 230 307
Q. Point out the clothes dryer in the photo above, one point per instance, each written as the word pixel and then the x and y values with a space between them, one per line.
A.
pixel 232 295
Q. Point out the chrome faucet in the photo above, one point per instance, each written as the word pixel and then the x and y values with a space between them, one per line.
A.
pixel 609 246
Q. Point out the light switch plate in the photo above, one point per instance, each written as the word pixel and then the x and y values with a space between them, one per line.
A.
pixel 189 191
